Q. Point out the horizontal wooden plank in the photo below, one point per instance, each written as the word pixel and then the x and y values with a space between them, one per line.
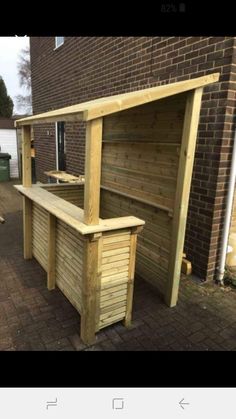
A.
pixel 160 201
pixel 164 170
pixel 114 252
pixel 67 275
pixel 113 302
pixel 67 241
pixel 110 259
pixel 69 263
pixel 112 272
pixel 64 186
pixel 112 318
pixel 111 104
pixel 116 279
pixel 72 215
pixel 117 264
pixel 116 245
pixel 152 185
pixel 121 232
pixel 139 197
pixel 70 232
pixel 159 169
pixel 113 292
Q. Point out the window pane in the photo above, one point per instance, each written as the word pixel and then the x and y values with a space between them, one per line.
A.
pixel 59 40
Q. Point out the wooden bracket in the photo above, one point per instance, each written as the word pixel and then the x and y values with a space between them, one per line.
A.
pixel 136 230
pixel 186 267
pixel 94 237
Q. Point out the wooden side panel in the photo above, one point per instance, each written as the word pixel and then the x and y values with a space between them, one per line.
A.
pixel 27 227
pixel 153 242
pixel 71 193
pixel 51 274
pixel 114 277
pixel 40 235
pixel 69 263
pixel 141 150
pixel 155 182
pixel 159 121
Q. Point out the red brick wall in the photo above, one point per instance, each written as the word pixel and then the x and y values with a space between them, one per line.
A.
pixel 45 150
pixel 75 148
pixel 86 68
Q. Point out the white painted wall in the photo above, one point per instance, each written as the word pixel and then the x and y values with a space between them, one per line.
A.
pixel 8 144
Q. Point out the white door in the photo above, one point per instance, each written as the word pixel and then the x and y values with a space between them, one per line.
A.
pixel 8 144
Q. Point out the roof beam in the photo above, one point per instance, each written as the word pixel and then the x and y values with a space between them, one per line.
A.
pixel 104 106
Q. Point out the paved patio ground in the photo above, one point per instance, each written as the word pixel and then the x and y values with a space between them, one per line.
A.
pixel 32 318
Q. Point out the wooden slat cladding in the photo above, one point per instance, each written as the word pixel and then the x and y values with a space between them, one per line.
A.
pixel 40 234
pixel 153 242
pixel 160 121
pixel 69 263
pixel 71 193
pixel 141 150
pixel 114 278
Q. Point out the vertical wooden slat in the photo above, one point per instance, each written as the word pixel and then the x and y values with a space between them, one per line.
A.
pixel 92 171
pixel 191 118
pixel 99 280
pixel 130 289
pixel 51 274
pixel 26 156
pixel 27 227
pixel 89 289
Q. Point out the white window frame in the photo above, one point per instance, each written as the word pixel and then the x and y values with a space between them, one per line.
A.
pixel 57 44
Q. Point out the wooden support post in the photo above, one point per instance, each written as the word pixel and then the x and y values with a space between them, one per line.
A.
pixel 26 180
pixel 191 118
pixel 91 288
pixel 27 227
pixel 92 171
pixel 51 274
pixel 130 290
pixel 26 156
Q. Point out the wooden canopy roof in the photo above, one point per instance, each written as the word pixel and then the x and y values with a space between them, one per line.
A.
pixel 107 105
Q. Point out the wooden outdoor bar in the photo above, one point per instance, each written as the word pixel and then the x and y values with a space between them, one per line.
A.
pixel 138 166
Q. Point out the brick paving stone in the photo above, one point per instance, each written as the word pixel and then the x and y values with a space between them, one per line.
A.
pixel 76 342
pixel 46 336
pixel 58 344
pixel 32 318
pixel 67 348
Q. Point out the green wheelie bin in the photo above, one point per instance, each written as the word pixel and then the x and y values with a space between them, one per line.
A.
pixel 4 167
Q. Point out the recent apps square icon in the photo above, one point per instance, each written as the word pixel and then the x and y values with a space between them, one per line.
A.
pixel 118 403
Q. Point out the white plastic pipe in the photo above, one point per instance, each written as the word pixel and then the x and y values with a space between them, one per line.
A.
pixel 229 204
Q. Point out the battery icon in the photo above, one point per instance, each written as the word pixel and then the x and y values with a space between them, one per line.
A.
pixel 182 7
